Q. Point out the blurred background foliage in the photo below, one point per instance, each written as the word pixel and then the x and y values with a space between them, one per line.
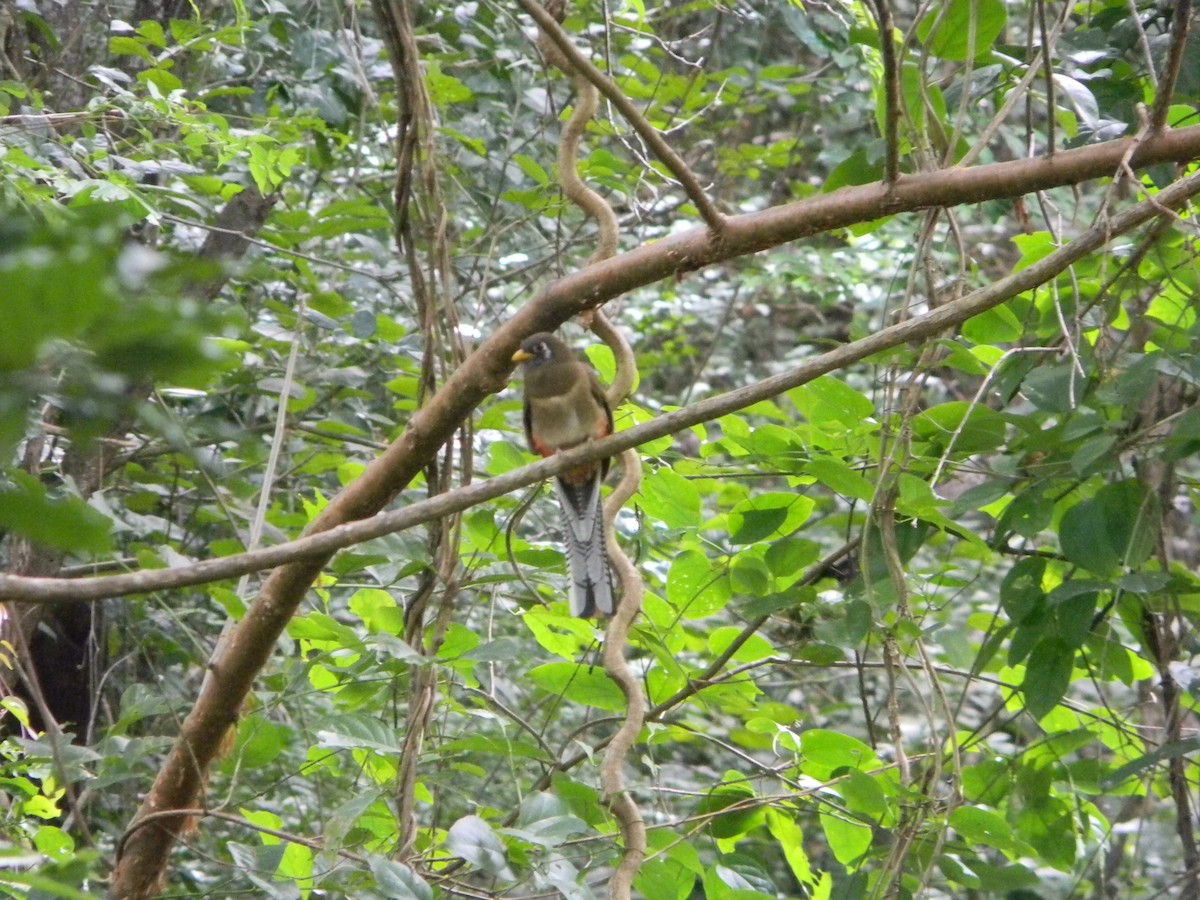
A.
pixel 986 692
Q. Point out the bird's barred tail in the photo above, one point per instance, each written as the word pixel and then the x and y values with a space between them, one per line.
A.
pixel 587 561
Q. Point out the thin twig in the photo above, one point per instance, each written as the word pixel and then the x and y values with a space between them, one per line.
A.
pixel 1180 21
pixel 651 135
pixel 891 87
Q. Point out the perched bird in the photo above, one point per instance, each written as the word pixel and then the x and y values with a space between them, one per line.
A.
pixel 565 407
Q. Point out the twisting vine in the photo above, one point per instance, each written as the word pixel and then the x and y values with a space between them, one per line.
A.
pixel 624 808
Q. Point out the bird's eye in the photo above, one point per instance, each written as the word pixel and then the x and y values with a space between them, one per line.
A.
pixel 541 349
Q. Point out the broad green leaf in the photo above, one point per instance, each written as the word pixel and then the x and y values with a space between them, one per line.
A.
pixel 738 876
pixel 670 498
pixel 358 732
pixel 791 841
pixel 827 399
pixel 744 812
pixel 754 648
pixel 1136 767
pixel 840 478
pixel 854 169
pixel 473 839
pixel 53 842
pixel 695 587
pixel 962 29
pixel 532 169
pixel 786 559
pixel 1021 591
pixel 397 880
pixel 824 752
pixel 378 610
pixel 587 685
pixel 848 839
pixel 863 795
pixel 63 522
pixel 768 516
pixel 983 827
pixel 559 634
pixel 1055 389
pixel 664 878
pixel 1050 826
pixel 1047 675
pixel 748 574
pixel 1116 528
pixel 960 427
pixel 998 325
pixel 444 89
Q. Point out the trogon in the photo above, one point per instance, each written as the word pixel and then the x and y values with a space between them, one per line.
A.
pixel 565 407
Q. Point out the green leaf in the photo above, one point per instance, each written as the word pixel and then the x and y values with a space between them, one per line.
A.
pixel 828 399
pixel 787 558
pixel 444 89
pixel 665 879
pixel 983 827
pixel 473 839
pixel 53 842
pixel 1055 389
pixel 532 169
pixel 748 575
pixel 397 880
pixel 849 840
pixel 1116 528
pixel 791 841
pixel 1047 675
pixel 1021 590
pixel 840 478
pixel 823 752
pixel 864 795
pixel 854 169
pixel 1136 767
pixel 962 29
pixel 748 816
pixel 586 685
pixel 694 587
pixel 754 648
pixel 960 427
pixel 767 516
pixel 63 522
pixel 998 325
pixel 358 732
pixel 670 498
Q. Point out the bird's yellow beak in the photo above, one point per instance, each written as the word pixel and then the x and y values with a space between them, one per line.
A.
pixel 522 356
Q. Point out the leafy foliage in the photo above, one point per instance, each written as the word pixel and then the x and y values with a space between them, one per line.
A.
pixel 919 627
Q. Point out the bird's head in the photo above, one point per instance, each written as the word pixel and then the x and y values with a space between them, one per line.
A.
pixel 541 349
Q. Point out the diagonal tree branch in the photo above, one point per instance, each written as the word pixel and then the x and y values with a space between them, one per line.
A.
pixel 568 295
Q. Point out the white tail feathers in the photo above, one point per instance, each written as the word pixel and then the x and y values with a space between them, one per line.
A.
pixel 587 561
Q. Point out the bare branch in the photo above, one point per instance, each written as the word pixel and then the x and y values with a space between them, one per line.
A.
pixel 651 135
pixel 891 86
pixel 1180 20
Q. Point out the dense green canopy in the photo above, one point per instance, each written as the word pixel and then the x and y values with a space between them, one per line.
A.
pixel 910 291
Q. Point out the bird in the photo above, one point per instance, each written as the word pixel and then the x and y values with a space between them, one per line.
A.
pixel 564 407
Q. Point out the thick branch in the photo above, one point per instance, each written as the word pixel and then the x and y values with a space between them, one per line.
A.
pixel 323 544
pixel 251 643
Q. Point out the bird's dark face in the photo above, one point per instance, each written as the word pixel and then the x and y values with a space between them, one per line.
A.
pixel 540 349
